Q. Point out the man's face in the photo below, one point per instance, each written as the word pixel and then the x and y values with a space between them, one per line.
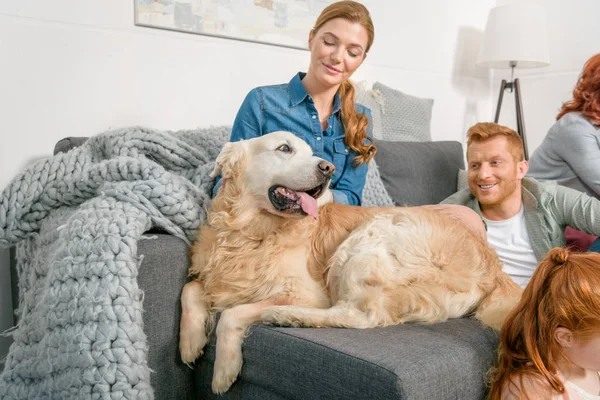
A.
pixel 494 175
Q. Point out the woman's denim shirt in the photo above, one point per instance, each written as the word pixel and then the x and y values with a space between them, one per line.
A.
pixel 288 107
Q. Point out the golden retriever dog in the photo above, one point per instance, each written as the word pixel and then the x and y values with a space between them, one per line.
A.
pixel 272 251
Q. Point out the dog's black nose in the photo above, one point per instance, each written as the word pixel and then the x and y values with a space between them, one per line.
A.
pixel 327 168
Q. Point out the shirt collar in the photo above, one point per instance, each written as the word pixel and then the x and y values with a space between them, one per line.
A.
pixel 298 93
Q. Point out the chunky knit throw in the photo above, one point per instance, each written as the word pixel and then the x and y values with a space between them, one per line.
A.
pixel 76 218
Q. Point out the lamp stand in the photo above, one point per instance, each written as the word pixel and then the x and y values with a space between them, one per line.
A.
pixel 514 85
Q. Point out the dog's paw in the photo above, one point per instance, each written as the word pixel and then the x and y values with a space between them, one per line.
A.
pixel 226 372
pixel 191 348
pixel 192 339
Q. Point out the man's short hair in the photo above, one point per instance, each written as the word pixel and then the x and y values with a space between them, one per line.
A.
pixel 483 131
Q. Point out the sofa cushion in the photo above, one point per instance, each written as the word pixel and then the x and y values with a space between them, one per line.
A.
pixel 463 180
pixel 372 100
pixel 374 193
pixel 418 173
pixel 404 117
pixel 446 360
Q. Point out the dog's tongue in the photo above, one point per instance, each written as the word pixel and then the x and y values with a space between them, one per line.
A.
pixel 308 204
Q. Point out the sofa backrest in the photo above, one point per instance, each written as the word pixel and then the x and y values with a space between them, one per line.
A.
pixel 418 173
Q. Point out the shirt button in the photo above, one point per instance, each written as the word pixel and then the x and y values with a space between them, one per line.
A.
pixel 346 150
pixel 318 137
pixel 314 116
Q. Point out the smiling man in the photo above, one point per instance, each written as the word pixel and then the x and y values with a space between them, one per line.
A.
pixel 524 218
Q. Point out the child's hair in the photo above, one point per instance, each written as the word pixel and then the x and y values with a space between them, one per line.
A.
pixel 586 95
pixel 355 124
pixel 482 131
pixel 563 292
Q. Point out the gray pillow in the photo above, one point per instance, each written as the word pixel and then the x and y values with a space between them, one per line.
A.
pixel 463 180
pixel 372 100
pixel 418 173
pixel 374 193
pixel 404 117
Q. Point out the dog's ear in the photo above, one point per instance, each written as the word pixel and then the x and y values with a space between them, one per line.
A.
pixel 230 160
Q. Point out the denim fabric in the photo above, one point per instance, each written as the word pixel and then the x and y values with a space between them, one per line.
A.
pixel 288 107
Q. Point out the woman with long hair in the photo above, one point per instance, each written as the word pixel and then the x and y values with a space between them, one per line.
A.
pixel 318 106
pixel 550 342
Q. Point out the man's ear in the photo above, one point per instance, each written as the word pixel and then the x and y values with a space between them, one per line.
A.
pixel 230 160
pixel 522 168
pixel 564 337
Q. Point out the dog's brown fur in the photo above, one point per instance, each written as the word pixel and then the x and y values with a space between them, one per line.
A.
pixel 378 266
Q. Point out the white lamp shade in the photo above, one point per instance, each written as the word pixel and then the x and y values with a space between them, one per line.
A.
pixel 515 32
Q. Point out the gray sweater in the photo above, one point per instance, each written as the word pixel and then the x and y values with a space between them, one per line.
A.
pixel 570 155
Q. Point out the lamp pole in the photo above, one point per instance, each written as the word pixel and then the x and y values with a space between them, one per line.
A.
pixel 514 85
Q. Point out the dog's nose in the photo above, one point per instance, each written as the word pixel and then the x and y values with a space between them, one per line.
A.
pixel 327 168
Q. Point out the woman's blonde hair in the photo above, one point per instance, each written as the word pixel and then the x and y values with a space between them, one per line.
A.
pixel 563 292
pixel 355 123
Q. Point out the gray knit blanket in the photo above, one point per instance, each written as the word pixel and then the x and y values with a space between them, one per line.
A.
pixel 76 218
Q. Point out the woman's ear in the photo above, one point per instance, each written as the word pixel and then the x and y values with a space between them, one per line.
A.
pixel 311 37
pixel 563 337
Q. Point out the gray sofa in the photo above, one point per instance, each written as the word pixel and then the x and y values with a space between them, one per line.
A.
pixel 446 360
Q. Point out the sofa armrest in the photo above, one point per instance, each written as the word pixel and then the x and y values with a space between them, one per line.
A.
pixel 14 280
pixel 66 144
pixel 163 272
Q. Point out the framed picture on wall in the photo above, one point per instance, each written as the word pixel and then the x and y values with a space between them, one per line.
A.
pixel 276 22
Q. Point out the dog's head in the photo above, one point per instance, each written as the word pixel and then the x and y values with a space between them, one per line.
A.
pixel 278 173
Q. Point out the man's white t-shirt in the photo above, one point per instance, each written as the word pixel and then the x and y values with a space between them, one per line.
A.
pixel 511 241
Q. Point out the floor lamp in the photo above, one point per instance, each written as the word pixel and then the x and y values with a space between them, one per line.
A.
pixel 515 37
